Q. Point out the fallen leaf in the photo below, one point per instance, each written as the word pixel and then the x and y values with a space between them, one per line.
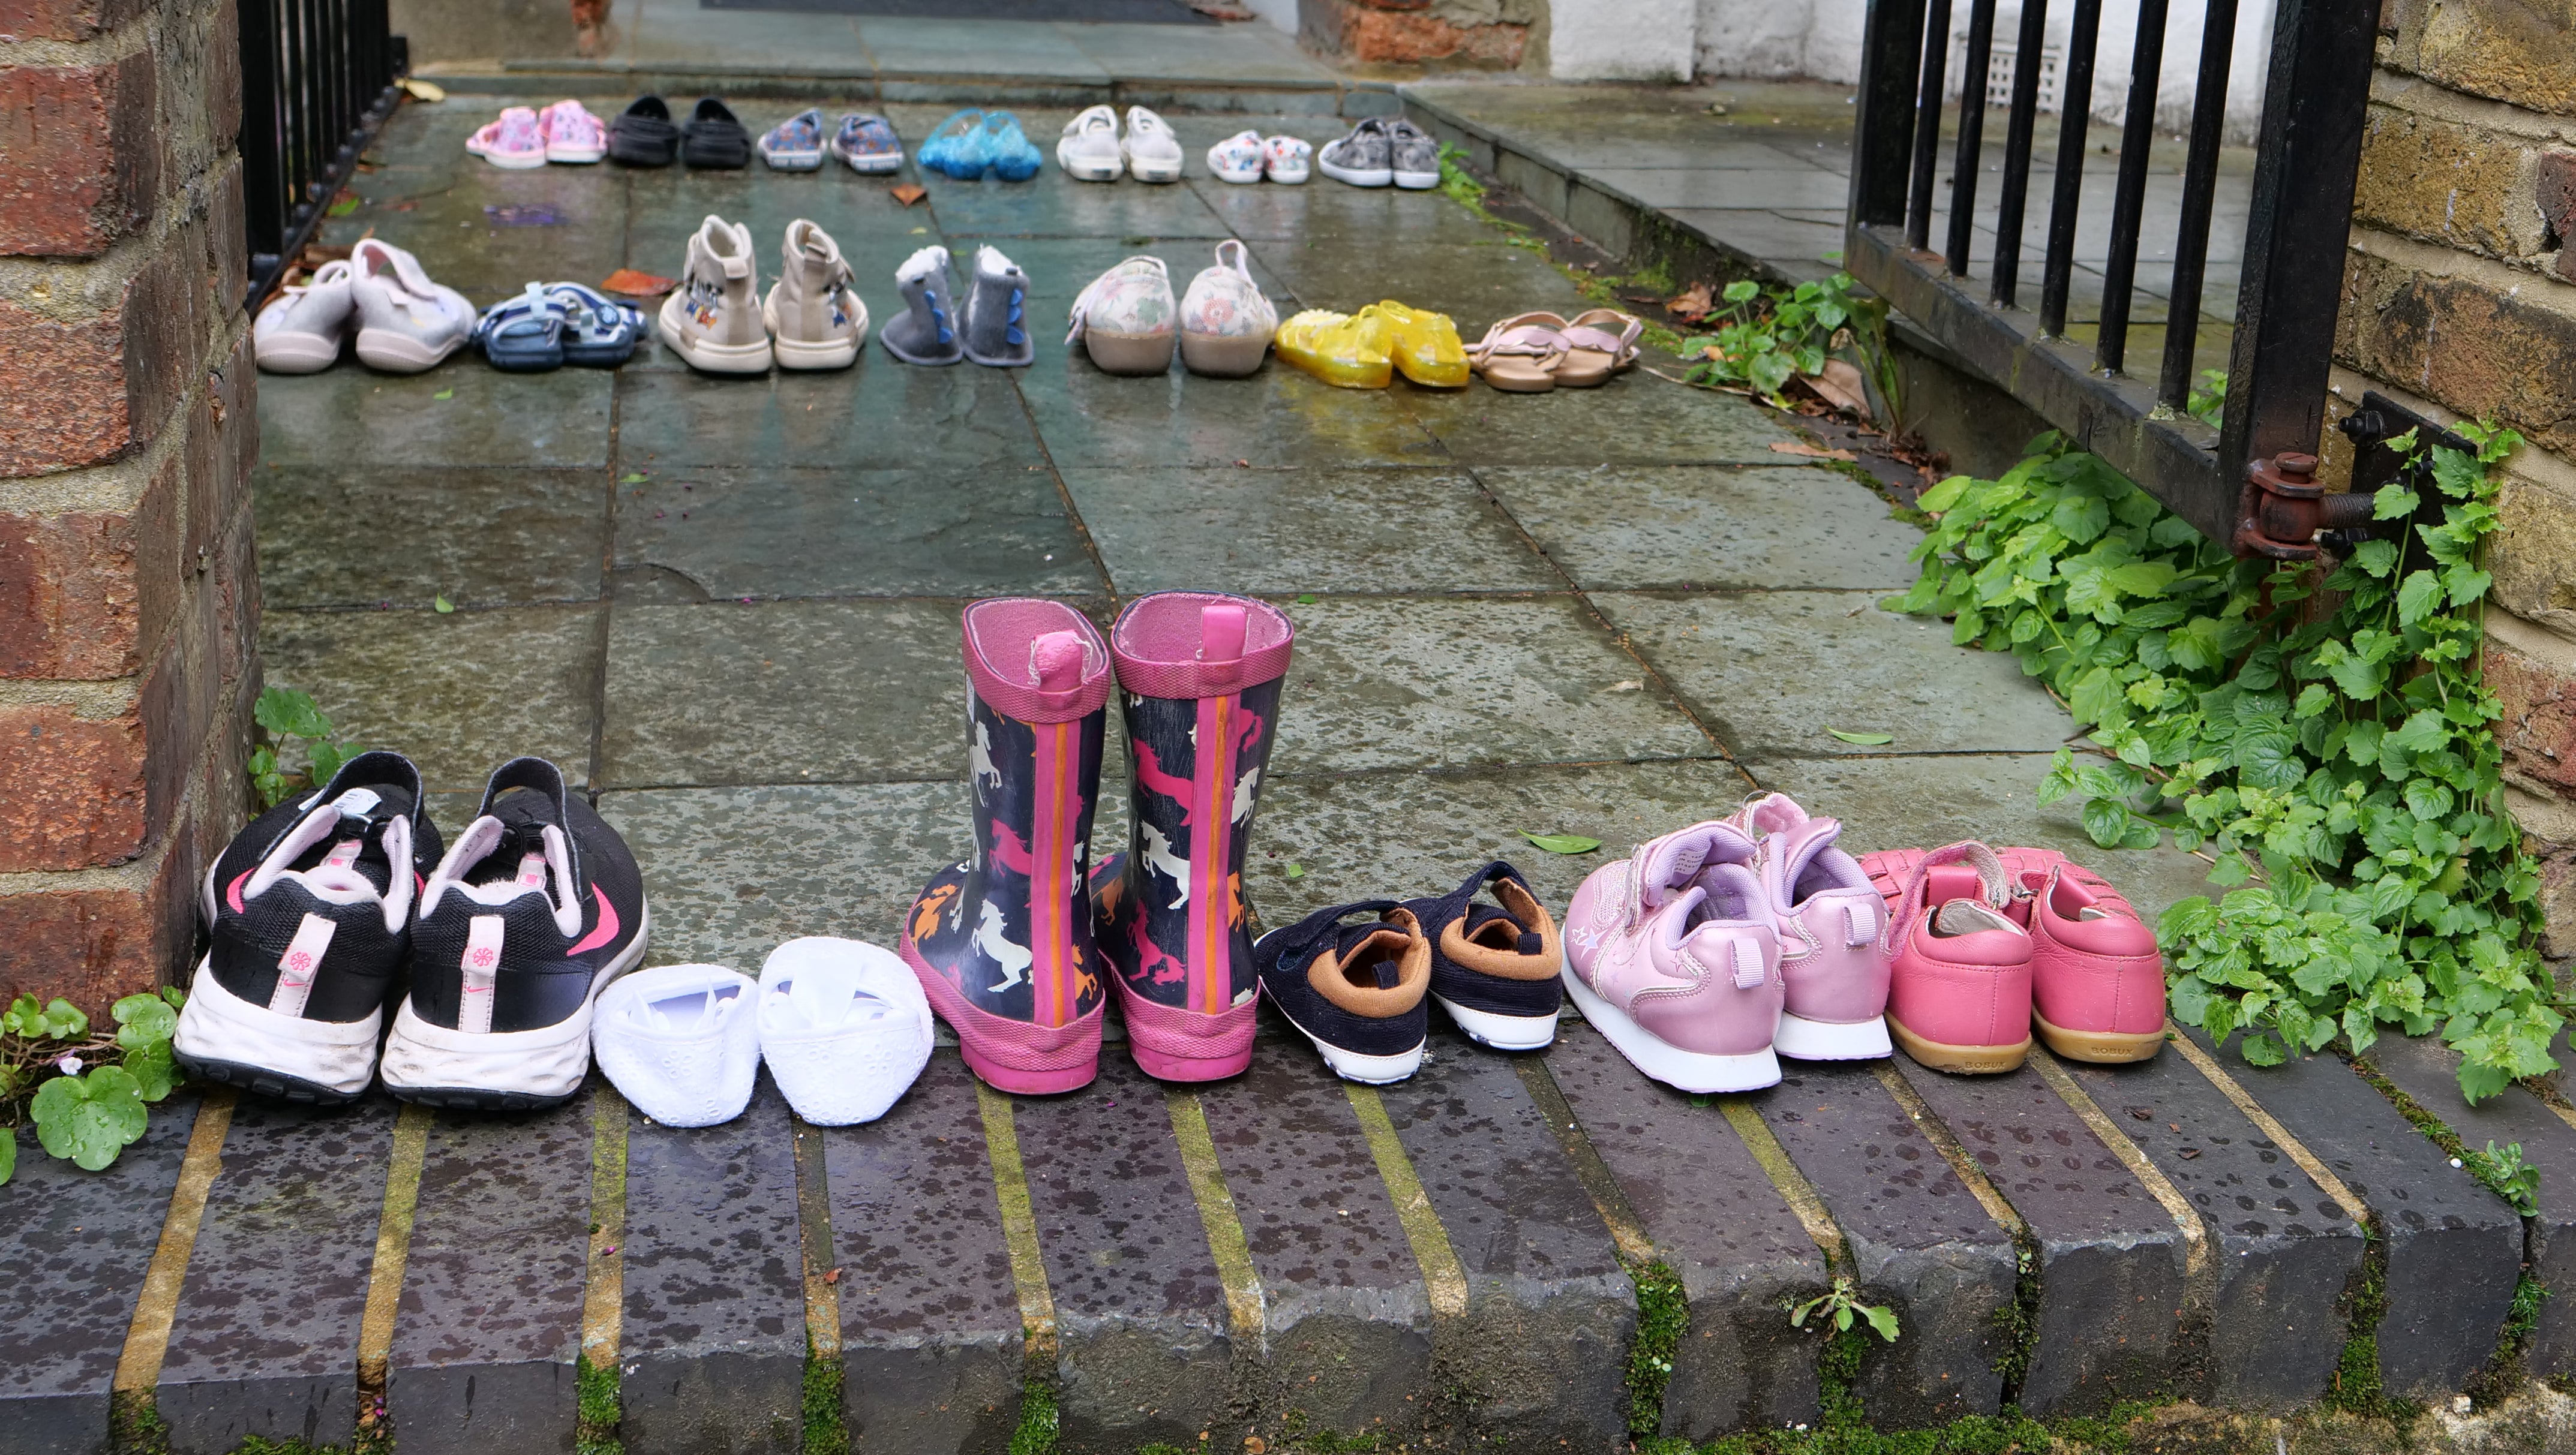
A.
pixel 832 1277
pixel 1306 600
pixel 921 229
pixel 637 285
pixel 632 477
pixel 1296 870
pixel 441 604
pixel 908 193
pixel 344 204
pixel 2188 1153
pixel 1693 303
pixel 1840 386
pixel 444 394
pixel 402 207
pixel 1631 685
pixel 1254 1445
pixel 1866 740
pixel 1562 843
pixel 1799 447
pixel 420 90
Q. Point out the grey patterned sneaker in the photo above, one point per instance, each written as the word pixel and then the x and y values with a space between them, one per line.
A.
pixel 1361 158
pixel 815 317
pixel 997 326
pixel 1413 154
pixel 712 319
pixel 926 331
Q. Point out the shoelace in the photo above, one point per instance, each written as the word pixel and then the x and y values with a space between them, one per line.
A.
pixel 1992 881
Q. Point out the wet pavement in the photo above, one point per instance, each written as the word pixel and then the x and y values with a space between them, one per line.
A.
pixel 729 608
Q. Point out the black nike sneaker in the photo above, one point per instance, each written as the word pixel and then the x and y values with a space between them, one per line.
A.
pixel 310 909
pixel 536 907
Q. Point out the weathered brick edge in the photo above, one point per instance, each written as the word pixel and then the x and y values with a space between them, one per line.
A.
pixel 129 598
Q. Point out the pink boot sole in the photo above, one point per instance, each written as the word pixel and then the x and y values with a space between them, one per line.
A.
pixel 1010 1055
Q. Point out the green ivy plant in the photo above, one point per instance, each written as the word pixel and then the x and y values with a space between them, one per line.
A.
pixel 286 716
pixel 1760 341
pixel 88 1094
pixel 2337 768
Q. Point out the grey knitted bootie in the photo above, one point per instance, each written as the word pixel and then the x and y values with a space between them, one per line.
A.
pixel 926 331
pixel 997 300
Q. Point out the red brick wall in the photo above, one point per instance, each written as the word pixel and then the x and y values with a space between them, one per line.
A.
pixel 128 591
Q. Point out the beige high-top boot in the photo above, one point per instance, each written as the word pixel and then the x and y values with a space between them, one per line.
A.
pixel 815 315
pixel 712 319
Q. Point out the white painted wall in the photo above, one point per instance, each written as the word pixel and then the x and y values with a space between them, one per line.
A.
pixel 1822 38
pixel 1622 40
pixel 1281 13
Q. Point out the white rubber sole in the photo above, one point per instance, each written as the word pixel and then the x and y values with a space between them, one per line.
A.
pixel 1357 177
pixel 1366 1070
pixel 713 358
pixel 1294 179
pixel 540 1065
pixel 793 161
pixel 514 162
pixel 400 353
pixel 1151 171
pixel 1416 181
pixel 793 354
pixel 217 1025
pixel 295 353
pixel 1083 169
pixel 1502 1032
pixel 878 166
pixel 1239 178
pixel 1805 1040
pixel 1696 1071
pixel 576 156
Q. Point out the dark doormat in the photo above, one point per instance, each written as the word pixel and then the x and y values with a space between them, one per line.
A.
pixel 1129 12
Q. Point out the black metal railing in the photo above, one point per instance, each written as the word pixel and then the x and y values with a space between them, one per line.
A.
pixel 2299 218
pixel 318 78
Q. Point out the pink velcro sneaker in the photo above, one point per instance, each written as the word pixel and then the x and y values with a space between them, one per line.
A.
pixel 1671 955
pixel 1828 916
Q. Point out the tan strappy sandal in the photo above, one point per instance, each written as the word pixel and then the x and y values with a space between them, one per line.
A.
pixel 1598 344
pixel 1520 354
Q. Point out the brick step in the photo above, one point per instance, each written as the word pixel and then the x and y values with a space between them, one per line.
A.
pixel 1454 1259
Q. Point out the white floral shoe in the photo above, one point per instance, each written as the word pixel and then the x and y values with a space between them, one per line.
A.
pixel 1124 318
pixel 1238 158
pixel 1226 322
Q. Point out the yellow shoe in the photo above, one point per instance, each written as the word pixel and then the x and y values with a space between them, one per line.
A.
pixel 1424 345
pixel 1344 351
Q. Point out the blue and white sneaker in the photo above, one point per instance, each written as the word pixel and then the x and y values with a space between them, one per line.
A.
pixel 796 144
pixel 867 142
pixel 598 330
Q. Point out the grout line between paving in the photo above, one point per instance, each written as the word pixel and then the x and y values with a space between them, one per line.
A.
pixel 147 1334
pixel 814 1224
pixel 1947 1144
pixel 1608 1197
pixel 2309 1162
pixel 603 1310
pixel 1247 1308
pixel 1443 1277
pixel 1792 1184
pixel 2200 1269
pixel 393 1255
pixel 1019 1226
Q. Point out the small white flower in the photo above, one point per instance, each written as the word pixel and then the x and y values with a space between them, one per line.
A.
pixel 71 1066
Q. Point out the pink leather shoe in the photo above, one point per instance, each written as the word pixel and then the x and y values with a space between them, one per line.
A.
pixel 1959 967
pixel 1670 953
pixel 2097 978
pixel 1828 916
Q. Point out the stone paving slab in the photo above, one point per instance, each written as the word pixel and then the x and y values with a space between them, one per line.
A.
pixel 931 1333
pixel 479 537
pixel 2452 1249
pixel 490 1317
pixel 1140 1308
pixel 2110 1259
pixel 1346 1315
pixel 75 1245
pixel 1774 672
pixel 712 1351
pixel 2427 1071
pixel 1620 528
pixel 264 1340
pixel 1538 1355
pixel 1743 1256
pixel 1920 1242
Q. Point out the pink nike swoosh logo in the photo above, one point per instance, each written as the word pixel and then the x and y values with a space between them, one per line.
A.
pixel 607 929
pixel 232 893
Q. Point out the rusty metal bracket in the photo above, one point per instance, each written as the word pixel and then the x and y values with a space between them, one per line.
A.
pixel 2283 513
